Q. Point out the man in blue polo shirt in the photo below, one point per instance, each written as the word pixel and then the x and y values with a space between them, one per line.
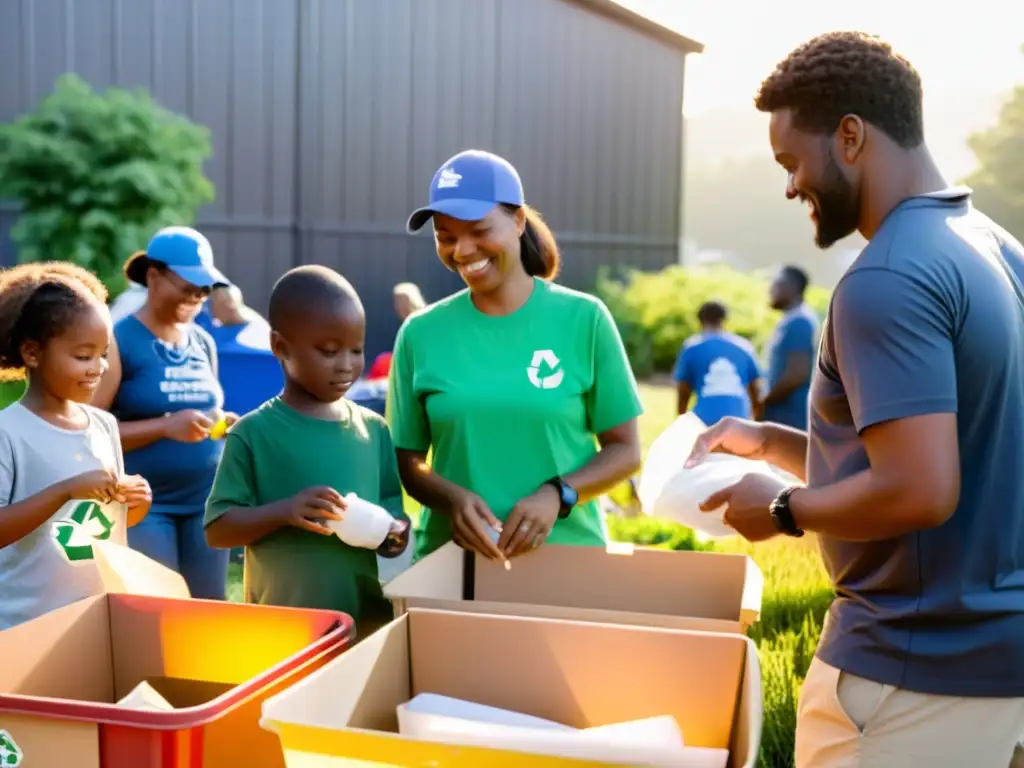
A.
pixel 790 352
pixel 719 366
pixel 916 437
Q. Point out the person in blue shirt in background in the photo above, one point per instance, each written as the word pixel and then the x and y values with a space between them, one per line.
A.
pixel 163 387
pixel 720 367
pixel 789 354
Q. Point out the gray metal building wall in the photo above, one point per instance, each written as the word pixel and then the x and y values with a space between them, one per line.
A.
pixel 330 116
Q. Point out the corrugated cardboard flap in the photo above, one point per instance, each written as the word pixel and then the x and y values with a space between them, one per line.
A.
pixel 125 571
pixel 64 654
pixel 591 583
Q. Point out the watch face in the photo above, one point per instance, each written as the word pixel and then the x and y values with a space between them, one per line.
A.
pixel 569 496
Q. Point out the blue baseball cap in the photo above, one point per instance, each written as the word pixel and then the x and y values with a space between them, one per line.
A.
pixel 468 187
pixel 186 252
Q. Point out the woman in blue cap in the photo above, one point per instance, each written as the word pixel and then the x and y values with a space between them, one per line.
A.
pixel 520 387
pixel 165 393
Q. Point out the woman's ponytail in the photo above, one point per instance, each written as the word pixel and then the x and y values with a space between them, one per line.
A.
pixel 538 247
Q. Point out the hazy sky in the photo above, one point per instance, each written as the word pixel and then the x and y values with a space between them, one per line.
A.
pixel 974 42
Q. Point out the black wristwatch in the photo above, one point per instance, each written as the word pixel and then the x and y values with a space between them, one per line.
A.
pixel 782 515
pixel 567 496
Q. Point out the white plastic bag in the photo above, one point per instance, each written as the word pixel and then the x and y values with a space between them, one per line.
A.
pixel 668 490
pixel 363 524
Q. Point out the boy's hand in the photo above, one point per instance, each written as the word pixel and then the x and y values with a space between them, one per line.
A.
pixel 98 485
pixel 396 541
pixel 134 491
pixel 308 508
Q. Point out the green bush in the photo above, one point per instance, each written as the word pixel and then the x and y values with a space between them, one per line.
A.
pixel 651 532
pixel 657 311
pixel 96 174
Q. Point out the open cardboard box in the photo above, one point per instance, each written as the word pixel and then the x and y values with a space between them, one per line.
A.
pixel 62 674
pixel 620 584
pixel 581 674
pixel 214 662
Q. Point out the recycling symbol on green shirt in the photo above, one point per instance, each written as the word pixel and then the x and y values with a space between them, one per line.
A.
pixel 87 522
pixel 545 360
pixel 10 754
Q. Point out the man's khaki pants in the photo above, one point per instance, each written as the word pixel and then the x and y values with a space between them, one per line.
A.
pixel 845 721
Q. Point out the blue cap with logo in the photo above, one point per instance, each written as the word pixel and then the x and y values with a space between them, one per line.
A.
pixel 468 187
pixel 184 251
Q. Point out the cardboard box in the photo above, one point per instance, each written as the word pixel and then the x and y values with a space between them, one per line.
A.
pixel 622 584
pixel 215 662
pixel 581 674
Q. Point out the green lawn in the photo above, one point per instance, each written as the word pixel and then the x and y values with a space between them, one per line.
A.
pixel 796 596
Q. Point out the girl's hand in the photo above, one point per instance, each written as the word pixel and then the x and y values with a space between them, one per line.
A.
pixel 530 522
pixel 98 485
pixel 134 491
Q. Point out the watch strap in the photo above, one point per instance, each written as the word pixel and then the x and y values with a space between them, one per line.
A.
pixel 564 507
pixel 782 514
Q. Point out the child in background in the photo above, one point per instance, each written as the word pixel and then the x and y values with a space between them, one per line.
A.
pixel 62 482
pixel 287 465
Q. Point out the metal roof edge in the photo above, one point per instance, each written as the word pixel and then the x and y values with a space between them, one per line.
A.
pixel 622 13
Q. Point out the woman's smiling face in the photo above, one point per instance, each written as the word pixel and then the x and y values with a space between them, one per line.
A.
pixel 483 252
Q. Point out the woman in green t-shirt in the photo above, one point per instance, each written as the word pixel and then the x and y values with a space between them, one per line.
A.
pixel 520 388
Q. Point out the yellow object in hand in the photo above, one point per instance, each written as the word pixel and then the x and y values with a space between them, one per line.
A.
pixel 219 429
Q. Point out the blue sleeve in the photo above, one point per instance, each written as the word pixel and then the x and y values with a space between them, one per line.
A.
pixel 798 336
pixel 893 341
pixel 680 372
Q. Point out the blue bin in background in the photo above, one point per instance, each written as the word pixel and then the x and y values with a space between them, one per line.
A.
pixel 249 372
pixel 372 394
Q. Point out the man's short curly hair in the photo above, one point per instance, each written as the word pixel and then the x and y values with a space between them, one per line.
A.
pixel 847 73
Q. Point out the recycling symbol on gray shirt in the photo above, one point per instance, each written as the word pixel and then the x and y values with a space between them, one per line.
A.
pixel 10 754
pixel 87 522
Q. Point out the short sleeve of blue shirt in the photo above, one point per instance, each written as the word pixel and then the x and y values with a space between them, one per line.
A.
pixel 893 323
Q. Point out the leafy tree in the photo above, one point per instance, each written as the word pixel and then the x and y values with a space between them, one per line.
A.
pixel 998 181
pixel 97 173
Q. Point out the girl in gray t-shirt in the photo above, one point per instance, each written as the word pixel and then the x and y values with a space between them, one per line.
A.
pixel 62 482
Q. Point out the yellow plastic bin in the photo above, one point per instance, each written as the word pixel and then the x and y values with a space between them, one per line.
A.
pixel 582 674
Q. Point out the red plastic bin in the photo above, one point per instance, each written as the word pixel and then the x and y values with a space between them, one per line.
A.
pixel 214 661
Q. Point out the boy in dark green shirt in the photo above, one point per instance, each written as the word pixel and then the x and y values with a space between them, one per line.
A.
pixel 287 465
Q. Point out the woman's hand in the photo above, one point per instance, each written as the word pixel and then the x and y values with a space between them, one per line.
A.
pixel 530 522
pixel 188 426
pixel 470 519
